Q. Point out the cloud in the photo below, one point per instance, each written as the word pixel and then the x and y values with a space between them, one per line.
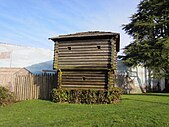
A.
pixel 32 22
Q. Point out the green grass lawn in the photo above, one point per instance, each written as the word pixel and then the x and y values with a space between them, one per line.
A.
pixel 133 111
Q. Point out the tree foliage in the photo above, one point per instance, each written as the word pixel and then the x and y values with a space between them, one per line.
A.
pixel 149 27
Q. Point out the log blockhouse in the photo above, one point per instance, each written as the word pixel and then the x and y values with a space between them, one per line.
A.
pixel 86 60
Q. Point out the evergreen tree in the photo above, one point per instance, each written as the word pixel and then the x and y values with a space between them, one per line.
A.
pixel 149 28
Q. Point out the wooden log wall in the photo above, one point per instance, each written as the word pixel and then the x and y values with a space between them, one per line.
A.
pixel 83 54
pixel 86 64
pixel 55 61
pixel 84 79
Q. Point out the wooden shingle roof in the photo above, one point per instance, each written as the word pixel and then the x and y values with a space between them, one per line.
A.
pixel 84 34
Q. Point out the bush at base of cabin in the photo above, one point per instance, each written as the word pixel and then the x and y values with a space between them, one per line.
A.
pixel 87 96
pixel 6 97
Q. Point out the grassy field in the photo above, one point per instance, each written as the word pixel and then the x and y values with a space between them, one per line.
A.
pixel 151 110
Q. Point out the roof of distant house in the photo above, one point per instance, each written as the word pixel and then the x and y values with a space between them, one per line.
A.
pixel 14 70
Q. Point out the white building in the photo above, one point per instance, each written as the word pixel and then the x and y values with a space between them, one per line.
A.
pixel 137 79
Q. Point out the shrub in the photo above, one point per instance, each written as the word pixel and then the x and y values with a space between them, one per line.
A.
pixel 87 96
pixel 6 97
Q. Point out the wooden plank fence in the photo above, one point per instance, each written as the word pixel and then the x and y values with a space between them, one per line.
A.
pixel 29 87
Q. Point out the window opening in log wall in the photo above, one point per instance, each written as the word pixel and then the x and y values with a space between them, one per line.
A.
pixel 98 47
pixel 83 78
pixel 69 48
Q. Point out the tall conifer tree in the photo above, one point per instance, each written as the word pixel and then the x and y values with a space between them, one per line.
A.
pixel 149 27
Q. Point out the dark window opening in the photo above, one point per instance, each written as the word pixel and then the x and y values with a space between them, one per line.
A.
pixel 69 48
pixel 83 78
pixel 98 47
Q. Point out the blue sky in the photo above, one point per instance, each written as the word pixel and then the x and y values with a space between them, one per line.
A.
pixel 32 22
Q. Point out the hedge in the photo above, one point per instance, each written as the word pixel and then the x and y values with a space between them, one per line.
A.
pixel 6 97
pixel 87 96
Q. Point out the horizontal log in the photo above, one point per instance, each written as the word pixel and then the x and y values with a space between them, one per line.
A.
pixel 84 60
pixel 81 67
pixel 83 83
pixel 82 86
pixel 82 80
pixel 84 52
pixel 91 67
pixel 87 74
pixel 83 55
pixel 85 45
pixel 84 72
pixel 83 49
pixel 87 67
pixel 92 63
pixel 86 79
pixel 84 42
pixel 95 76
pixel 76 47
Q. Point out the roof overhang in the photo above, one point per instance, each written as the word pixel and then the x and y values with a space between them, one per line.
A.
pixel 89 35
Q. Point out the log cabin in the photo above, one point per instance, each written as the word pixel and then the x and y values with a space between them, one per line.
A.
pixel 86 60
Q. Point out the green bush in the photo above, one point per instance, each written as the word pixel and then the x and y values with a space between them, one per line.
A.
pixel 87 96
pixel 6 97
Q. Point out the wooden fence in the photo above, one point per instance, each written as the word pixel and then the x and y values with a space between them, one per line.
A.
pixel 34 86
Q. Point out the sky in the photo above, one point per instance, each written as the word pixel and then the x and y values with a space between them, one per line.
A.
pixel 32 22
